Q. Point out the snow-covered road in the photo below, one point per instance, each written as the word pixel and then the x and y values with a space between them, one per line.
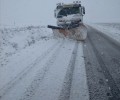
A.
pixel 45 71
pixel 41 67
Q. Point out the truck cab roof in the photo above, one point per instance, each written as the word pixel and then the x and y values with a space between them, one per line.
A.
pixel 68 5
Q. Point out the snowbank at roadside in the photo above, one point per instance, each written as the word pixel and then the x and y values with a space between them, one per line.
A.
pixel 110 29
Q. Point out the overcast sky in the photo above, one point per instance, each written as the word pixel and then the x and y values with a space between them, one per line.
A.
pixel 41 12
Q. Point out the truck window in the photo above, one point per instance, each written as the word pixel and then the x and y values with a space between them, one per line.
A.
pixel 68 11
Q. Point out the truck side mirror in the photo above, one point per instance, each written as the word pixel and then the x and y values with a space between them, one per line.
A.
pixel 55 13
pixel 84 10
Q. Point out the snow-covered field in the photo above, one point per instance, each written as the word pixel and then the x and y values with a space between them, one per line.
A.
pixel 13 40
pixel 110 29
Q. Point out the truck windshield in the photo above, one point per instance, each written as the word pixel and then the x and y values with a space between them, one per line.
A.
pixel 68 11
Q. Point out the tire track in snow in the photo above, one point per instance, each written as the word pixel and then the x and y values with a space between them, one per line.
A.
pixel 79 87
pixel 14 81
pixel 40 75
pixel 65 92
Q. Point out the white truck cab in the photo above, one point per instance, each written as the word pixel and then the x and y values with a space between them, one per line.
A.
pixel 67 14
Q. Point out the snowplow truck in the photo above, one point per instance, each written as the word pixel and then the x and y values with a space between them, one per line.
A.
pixel 70 21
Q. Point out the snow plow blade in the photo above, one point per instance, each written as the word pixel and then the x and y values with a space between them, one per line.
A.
pixel 54 27
pixel 77 32
pixel 69 27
